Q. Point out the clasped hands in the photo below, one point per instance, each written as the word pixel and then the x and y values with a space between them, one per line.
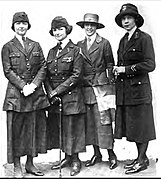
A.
pixel 118 69
pixel 28 89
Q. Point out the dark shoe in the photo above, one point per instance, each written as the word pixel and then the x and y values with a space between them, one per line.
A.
pixel 137 167
pixel 130 164
pixel 146 160
pixel 35 172
pixel 18 172
pixel 63 164
pixel 95 159
pixel 76 167
pixel 113 162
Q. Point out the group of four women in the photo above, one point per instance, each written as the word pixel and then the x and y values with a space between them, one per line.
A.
pixel 77 84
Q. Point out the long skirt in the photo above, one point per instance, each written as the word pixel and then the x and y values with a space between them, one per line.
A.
pixel 72 130
pixel 136 123
pixel 26 134
pixel 97 133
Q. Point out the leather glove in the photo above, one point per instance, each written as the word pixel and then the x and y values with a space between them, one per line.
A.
pixel 53 98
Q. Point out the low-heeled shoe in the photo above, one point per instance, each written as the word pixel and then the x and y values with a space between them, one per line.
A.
pixel 113 162
pixel 146 160
pixel 18 172
pixel 65 162
pixel 35 172
pixel 137 167
pixel 76 167
pixel 95 159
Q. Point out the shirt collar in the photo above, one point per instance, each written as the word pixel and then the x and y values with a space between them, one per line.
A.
pixel 93 37
pixel 131 32
pixel 64 42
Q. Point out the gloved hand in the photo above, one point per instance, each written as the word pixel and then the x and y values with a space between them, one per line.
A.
pixel 53 98
pixel 28 89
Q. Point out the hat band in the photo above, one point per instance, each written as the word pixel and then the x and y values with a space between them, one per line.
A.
pixel 90 19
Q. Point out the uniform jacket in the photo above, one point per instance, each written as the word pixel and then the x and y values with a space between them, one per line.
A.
pixel 97 60
pixel 138 57
pixel 63 76
pixel 21 67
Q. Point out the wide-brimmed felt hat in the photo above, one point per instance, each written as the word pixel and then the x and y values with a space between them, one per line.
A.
pixel 20 17
pixel 129 9
pixel 58 22
pixel 90 18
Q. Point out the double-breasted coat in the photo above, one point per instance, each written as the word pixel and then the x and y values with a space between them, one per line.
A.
pixel 97 72
pixel 133 88
pixel 64 73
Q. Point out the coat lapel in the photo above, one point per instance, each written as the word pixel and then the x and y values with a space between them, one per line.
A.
pixel 95 44
pixel 66 49
pixel 18 45
pixel 83 46
pixel 29 45
pixel 132 40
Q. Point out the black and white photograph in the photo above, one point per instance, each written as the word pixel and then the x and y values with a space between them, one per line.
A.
pixel 80 91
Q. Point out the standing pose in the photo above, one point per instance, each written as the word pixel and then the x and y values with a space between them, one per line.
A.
pixel 98 90
pixel 134 112
pixel 25 101
pixel 64 72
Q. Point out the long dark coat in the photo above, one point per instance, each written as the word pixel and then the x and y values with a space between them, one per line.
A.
pixel 139 52
pixel 133 88
pixel 21 67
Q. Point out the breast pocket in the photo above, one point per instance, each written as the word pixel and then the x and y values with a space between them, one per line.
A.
pixel 36 57
pixel 14 58
pixel 135 55
pixel 66 63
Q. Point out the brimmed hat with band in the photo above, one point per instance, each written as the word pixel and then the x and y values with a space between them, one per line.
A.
pixel 58 22
pixel 91 18
pixel 129 9
pixel 20 17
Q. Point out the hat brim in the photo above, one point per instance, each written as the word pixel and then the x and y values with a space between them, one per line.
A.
pixel 98 25
pixel 139 22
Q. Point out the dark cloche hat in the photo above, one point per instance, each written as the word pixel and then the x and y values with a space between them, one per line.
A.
pixel 129 9
pixel 20 17
pixel 90 18
pixel 58 22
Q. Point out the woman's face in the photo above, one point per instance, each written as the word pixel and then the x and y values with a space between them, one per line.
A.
pixel 90 28
pixel 60 33
pixel 128 22
pixel 21 28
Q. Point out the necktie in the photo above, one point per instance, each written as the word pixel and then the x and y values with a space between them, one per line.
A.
pixel 24 42
pixel 126 39
pixel 88 43
pixel 59 48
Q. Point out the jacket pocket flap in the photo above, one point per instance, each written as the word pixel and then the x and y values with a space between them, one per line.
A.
pixel 14 54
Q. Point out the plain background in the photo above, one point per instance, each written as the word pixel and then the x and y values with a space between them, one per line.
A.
pixel 41 13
